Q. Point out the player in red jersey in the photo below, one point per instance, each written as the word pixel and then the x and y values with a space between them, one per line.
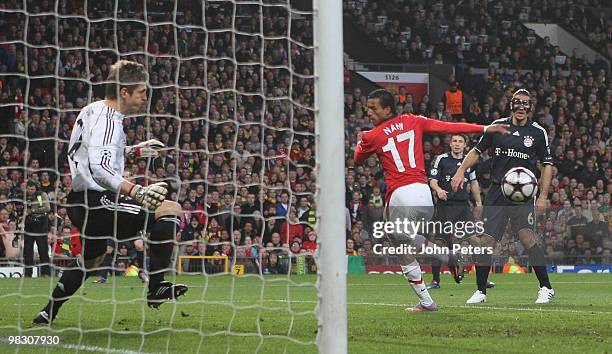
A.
pixel 398 143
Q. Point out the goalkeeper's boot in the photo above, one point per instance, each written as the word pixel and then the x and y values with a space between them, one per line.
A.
pixel 165 291
pixel 545 295
pixel 490 284
pixel 423 308
pixel 43 317
pixel 456 264
pixel 477 298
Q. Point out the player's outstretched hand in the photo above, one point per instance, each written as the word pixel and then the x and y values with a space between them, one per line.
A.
pixel 150 196
pixel 457 182
pixel 147 148
pixel 497 128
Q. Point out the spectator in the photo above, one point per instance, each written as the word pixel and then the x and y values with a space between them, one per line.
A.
pixel 10 241
pixel 350 248
pixel 274 265
pixel 597 229
pixel 310 244
pixel 291 228
pixel 296 248
pixel 275 241
pixel 191 230
pixel 282 205
pixel 356 207
pixel 68 244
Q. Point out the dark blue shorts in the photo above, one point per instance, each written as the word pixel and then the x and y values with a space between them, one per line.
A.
pixel 499 211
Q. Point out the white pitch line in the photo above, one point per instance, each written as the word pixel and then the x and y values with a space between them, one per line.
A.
pixel 540 309
pixel 87 348
pixel 476 307
pixel 483 307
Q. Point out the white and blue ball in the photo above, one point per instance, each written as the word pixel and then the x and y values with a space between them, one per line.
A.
pixel 519 185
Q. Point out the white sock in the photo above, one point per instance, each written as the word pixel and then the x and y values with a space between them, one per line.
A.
pixel 412 272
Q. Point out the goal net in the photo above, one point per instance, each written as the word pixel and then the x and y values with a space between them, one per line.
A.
pixel 231 94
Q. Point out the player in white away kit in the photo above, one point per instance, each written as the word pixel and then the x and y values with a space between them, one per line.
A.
pixel 102 204
pixel 398 143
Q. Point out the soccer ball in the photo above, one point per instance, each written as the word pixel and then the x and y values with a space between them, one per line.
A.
pixel 519 185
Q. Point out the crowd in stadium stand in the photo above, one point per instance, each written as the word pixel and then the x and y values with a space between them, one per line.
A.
pixel 477 32
pixel 240 153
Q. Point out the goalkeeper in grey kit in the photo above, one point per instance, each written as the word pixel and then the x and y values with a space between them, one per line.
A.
pixel 102 204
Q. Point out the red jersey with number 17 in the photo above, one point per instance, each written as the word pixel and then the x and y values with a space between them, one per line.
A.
pixel 398 142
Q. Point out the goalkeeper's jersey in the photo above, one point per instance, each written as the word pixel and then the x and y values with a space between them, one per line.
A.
pixel 97 148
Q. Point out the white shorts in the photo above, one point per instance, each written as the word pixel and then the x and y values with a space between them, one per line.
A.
pixel 411 202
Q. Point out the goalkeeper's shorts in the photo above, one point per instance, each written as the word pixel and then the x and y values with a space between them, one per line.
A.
pixel 108 214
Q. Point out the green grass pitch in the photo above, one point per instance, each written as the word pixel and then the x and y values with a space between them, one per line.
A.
pixel 246 314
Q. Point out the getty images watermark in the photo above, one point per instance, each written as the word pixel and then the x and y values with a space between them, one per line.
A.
pixel 409 229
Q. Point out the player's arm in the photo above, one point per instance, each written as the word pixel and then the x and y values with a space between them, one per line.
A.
pixel 546 174
pixel 103 152
pixel 470 160
pixel 545 179
pixel 434 172
pixel 440 193
pixel 441 127
pixel 102 157
pixel 475 188
pixel 147 148
pixel 364 148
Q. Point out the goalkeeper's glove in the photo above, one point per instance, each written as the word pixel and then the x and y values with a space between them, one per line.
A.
pixel 151 196
pixel 147 148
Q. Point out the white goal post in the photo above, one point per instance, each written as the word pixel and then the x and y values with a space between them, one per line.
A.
pixel 329 130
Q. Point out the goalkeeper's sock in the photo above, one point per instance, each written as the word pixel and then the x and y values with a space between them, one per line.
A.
pixel 483 265
pixel 140 259
pixel 538 263
pixel 435 270
pixel 412 272
pixel 162 245
pixel 69 283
